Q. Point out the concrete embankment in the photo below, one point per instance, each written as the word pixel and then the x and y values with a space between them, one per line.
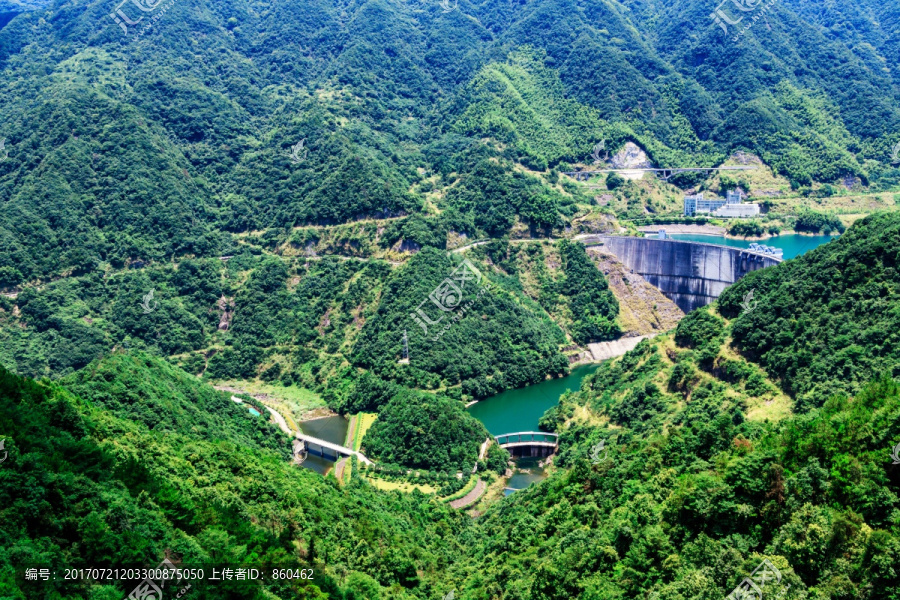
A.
pixel 688 273
pixel 606 350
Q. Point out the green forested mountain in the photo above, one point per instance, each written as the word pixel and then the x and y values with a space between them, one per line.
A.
pixel 164 141
pixel 312 323
pixel 708 467
pixel 367 200
pixel 333 326
pixel 84 487
pixel 704 469
pixel 686 499
pixel 169 402
pixel 829 323
pixel 497 340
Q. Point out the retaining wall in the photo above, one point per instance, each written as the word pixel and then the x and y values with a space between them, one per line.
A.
pixel 690 274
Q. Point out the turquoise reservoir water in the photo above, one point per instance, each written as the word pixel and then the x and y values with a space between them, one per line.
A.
pixel 519 410
pixel 331 429
pixel 528 471
pixel 793 244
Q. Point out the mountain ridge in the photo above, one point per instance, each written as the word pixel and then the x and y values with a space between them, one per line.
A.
pixel 374 89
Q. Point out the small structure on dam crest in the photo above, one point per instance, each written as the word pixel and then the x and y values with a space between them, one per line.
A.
pixel 690 274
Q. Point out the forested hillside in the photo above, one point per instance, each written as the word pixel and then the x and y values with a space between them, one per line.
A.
pixel 684 465
pixel 84 487
pixel 829 323
pixel 371 203
pixel 685 500
pixel 309 323
pixel 332 326
pixel 144 143
pixel 709 465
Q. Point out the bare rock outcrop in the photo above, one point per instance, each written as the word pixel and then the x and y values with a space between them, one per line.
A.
pixel 643 309
pixel 630 157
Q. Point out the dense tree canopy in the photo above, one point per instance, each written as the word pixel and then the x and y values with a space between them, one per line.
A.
pixel 363 200
pixel 827 322
pixel 192 479
pixel 140 147
pixel 425 431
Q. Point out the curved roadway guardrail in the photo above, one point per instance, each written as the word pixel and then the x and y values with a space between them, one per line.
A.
pixel 527 438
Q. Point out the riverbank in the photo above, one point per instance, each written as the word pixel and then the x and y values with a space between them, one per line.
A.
pixel 295 403
pixel 792 244
pixel 716 231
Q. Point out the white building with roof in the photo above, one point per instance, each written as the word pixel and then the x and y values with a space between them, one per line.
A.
pixel 730 207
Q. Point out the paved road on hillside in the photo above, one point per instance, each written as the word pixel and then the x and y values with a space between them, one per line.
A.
pixel 580 236
pixel 471 497
pixel 279 420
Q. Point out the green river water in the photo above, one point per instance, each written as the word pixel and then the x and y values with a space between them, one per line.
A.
pixel 519 410
pixel 331 429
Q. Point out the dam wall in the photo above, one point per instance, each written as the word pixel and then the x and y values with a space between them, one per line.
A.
pixel 690 274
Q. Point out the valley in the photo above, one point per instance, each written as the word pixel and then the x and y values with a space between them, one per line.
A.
pixel 434 299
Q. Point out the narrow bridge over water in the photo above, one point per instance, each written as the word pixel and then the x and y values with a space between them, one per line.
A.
pixel 529 443
pixel 328 450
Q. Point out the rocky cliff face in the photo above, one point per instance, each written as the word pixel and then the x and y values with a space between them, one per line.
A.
pixel 643 309
pixel 630 157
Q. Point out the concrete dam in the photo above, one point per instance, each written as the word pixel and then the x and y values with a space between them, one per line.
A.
pixel 690 274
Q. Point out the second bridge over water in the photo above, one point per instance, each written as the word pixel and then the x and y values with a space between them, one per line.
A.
pixel 325 449
pixel 529 443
